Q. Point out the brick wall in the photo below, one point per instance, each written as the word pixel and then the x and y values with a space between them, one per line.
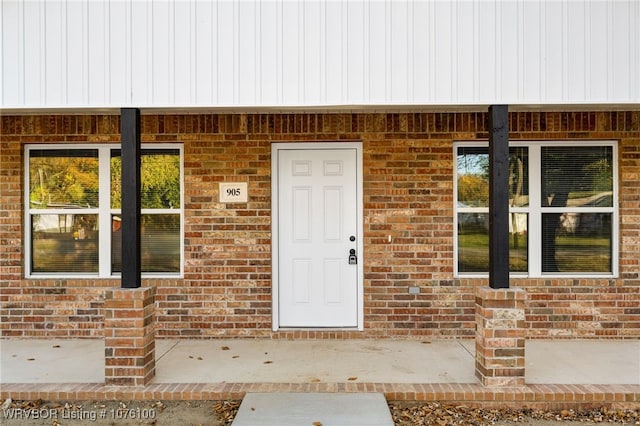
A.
pixel 408 183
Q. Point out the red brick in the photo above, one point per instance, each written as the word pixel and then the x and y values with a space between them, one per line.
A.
pixel 408 161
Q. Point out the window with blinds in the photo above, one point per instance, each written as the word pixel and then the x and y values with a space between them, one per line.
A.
pixel 562 199
pixel 74 205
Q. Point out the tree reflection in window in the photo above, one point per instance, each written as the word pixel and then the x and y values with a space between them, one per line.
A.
pixel 574 178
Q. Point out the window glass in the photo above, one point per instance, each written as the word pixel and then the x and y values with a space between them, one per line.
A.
pixel 473 242
pixel 64 243
pixel 63 178
pixel 160 243
pixel 577 176
pixel 473 177
pixel 518 177
pixel 576 242
pixel 159 190
pixel 159 176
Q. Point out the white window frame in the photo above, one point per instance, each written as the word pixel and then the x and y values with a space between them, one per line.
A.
pixel 104 212
pixel 535 210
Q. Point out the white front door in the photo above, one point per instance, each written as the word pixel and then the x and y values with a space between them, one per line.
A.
pixel 317 221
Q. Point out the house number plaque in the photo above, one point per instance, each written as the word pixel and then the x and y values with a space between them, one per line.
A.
pixel 233 192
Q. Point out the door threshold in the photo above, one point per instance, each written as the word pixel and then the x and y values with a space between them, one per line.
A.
pixel 350 328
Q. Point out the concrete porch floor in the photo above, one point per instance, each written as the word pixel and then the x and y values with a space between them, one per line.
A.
pixel 322 361
pixel 558 374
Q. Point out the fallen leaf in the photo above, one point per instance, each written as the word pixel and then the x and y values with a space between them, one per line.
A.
pixel 6 404
pixel 159 405
pixel 227 409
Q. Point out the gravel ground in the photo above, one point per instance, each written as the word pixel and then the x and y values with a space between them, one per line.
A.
pixel 221 413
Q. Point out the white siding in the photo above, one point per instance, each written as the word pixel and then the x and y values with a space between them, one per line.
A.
pixel 283 53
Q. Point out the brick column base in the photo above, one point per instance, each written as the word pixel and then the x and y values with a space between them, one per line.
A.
pixel 129 345
pixel 500 336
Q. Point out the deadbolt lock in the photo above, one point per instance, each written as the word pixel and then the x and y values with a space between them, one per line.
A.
pixel 353 259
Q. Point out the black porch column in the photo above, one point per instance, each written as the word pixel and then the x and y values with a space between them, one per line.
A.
pixel 130 131
pixel 498 196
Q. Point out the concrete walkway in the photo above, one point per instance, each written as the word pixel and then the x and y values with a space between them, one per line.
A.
pixel 323 361
pixel 295 409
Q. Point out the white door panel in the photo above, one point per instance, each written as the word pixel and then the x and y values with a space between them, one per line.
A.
pixel 317 218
